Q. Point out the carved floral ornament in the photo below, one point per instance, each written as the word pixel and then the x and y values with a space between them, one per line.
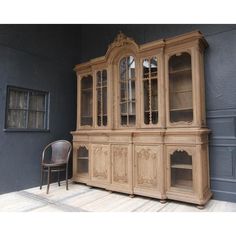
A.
pixel 121 40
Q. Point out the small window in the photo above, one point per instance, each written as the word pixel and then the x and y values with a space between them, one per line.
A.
pixel 26 110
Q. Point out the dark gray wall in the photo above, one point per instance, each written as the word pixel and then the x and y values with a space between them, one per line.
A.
pixel 220 71
pixel 37 57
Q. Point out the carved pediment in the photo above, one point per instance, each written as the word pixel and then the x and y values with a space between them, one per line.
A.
pixel 121 40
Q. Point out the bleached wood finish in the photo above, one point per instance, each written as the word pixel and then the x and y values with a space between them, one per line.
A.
pixel 157 158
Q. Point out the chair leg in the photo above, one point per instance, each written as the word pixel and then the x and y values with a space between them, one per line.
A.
pixel 42 175
pixel 67 178
pixel 49 176
pixel 58 178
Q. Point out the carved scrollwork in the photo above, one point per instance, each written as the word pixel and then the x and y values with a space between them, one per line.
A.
pixel 99 168
pixel 120 161
pixel 120 40
pixel 146 154
pixel 146 157
pixel 182 150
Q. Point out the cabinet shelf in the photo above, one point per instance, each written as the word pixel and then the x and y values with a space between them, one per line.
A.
pixel 182 91
pixel 186 70
pixel 82 158
pixel 182 109
pixel 182 166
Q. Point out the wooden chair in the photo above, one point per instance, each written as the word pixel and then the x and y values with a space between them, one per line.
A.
pixel 55 158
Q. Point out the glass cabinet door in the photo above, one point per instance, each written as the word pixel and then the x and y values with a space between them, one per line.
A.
pixel 150 91
pixel 86 103
pixel 127 91
pixel 82 161
pixel 101 88
pixel 181 170
pixel 180 88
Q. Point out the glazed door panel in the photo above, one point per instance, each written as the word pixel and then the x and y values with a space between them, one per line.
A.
pixel 181 170
pixel 100 165
pixel 147 164
pixel 122 165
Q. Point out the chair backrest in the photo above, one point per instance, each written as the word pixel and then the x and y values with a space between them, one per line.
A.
pixel 60 151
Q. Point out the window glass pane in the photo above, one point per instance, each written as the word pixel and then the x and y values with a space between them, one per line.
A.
pixel 124 120
pixel 154 95
pixel 16 119
pixel 150 91
pixel 146 95
pixel 36 120
pixel 99 78
pixel 145 68
pixel 123 69
pixel 36 101
pixel 104 78
pixel 123 91
pixel 127 91
pixel 180 88
pixel 131 67
pixel 86 100
pixel 101 97
pixel 17 99
pixel 99 102
pixel 104 100
pixel 153 63
pixel 104 120
pixel 123 108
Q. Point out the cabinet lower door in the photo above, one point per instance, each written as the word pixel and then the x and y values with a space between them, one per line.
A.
pixel 100 163
pixel 122 167
pixel 148 175
pixel 81 162
pixel 181 178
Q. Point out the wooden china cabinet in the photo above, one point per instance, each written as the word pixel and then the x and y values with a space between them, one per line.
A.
pixel 141 126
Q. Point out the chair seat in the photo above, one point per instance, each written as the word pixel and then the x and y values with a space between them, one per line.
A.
pixel 53 164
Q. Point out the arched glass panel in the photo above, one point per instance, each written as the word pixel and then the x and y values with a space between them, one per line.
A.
pixel 181 170
pixel 127 91
pixel 180 88
pixel 82 160
pixel 86 106
pixel 150 91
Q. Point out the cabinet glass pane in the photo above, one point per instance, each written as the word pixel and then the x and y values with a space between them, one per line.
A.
pixel 86 100
pixel 101 88
pixel 82 160
pixel 181 170
pixel 180 88
pixel 150 91
pixel 127 91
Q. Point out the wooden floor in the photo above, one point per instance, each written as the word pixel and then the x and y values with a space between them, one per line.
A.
pixel 81 198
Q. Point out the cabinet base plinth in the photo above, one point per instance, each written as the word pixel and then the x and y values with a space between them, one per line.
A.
pixel 163 201
pixel 200 207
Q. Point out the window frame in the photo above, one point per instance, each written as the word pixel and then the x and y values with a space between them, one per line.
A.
pixel 26 90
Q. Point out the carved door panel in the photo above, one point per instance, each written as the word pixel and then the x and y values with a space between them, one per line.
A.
pixel 121 165
pixel 146 167
pixel 100 162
